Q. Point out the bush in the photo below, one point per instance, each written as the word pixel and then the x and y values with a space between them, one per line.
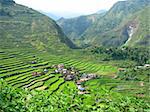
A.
pixel 19 100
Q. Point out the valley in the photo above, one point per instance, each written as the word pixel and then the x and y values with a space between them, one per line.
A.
pixel 94 63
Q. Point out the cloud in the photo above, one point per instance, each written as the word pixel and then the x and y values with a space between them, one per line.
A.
pixel 67 7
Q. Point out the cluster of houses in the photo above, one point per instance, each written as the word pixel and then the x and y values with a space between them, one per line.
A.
pixel 69 74
pixel 83 78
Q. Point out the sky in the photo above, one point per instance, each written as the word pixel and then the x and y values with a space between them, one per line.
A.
pixel 68 8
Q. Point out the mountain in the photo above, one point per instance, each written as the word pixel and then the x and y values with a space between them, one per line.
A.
pixel 115 28
pixel 124 24
pixel 75 27
pixel 138 28
pixel 21 26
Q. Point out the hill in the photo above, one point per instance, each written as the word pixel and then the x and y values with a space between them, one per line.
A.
pixel 121 23
pixel 75 27
pixel 125 20
pixel 21 26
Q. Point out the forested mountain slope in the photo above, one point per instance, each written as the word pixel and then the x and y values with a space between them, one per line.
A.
pixel 121 23
pixel 21 26
pixel 126 23
pixel 75 27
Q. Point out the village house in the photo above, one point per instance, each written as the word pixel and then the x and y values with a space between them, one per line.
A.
pixel 147 65
pixel 78 82
pixel 68 73
pixel 88 76
pixel 69 77
pixel 80 88
pixel 143 67
pixel 45 70
pixel 35 74
pixel 141 83
pixel 121 69
pixel 33 62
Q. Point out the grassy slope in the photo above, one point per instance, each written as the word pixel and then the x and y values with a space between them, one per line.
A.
pixel 21 26
pixel 20 63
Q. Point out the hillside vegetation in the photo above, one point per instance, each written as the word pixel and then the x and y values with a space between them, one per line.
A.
pixel 75 27
pixel 39 72
pixel 28 101
pixel 126 23
pixel 22 92
pixel 21 26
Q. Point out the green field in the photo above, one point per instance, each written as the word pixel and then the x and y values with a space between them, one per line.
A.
pixel 16 69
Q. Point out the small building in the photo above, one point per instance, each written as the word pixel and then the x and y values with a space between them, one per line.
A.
pixel 81 92
pixel 34 74
pixel 81 88
pixel 147 65
pixel 121 69
pixel 72 72
pixel 78 82
pixel 141 83
pixel 56 71
pixel 33 62
pixel 45 70
pixel 89 76
pixel 61 66
pixel 64 71
pixel 37 73
pixel 69 77
pixel 139 67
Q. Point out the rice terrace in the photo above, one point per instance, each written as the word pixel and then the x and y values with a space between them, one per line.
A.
pixel 17 69
pixel 63 62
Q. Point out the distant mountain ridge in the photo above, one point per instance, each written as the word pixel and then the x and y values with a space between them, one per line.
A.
pixel 21 26
pixel 117 27
pixel 75 27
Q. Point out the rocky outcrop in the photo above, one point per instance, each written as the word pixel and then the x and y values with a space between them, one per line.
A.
pixel 131 29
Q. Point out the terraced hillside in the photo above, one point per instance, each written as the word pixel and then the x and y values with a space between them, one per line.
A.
pixel 16 68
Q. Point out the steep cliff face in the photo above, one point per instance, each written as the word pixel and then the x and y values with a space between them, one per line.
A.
pixel 131 29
